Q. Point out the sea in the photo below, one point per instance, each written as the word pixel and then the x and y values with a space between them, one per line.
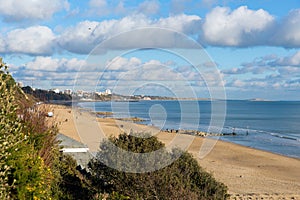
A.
pixel 272 126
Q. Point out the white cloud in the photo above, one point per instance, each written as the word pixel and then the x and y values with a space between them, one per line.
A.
pixel 16 10
pixel 123 64
pixel 45 70
pixel 179 6
pixel 238 83
pixel 99 7
pixel 249 68
pixel 265 83
pixel 288 72
pixel 104 7
pixel 274 66
pixel 149 7
pixel 79 39
pixel 293 60
pixel 35 40
pixel 188 24
pixel 83 37
pixel 41 63
pixel 98 3
pixel 268 72
pixel 243 27
pixel 2 44
pixel 119 8
pixel 209 3
pixel 287 33
pixel 240 27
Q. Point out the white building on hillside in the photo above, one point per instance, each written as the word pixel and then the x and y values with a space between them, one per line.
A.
pixel 68 91
pixel 56 90
pixel 107 91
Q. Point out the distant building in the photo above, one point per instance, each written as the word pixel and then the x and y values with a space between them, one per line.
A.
pixel 147 98
pixel 20 84
pixel 55 90
pixel 79 93
pixel 68 91
pixel 107 91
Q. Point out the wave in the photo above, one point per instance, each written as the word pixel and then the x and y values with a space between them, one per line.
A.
pixel 244 131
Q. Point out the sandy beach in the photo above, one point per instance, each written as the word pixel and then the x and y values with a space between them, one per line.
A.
pixel 248 173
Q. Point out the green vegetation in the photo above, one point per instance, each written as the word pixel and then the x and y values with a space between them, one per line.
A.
pixel 23 173
pixel 46 96
pixel 183 179
pixel 31 166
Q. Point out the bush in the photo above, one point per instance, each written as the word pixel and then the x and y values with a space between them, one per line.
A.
pixel 10 131
pixel 73 184
pixel 24 174
pixel 183 179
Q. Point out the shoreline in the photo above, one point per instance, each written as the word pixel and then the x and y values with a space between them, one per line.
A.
pixel 247 172
pixel 198 133
pixel 262 139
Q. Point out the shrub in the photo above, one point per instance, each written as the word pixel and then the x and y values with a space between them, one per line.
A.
pixel 31 166
pixel 11 134
pixel 73 184
pixel 183 179
pixel 23 173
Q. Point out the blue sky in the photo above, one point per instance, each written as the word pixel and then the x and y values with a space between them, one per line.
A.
pixel 251 48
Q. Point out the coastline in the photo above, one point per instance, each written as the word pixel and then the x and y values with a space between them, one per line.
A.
pixel 246 171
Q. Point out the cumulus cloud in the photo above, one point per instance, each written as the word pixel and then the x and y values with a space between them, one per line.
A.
pixel 35 40
pixel 120 8
pixel 208 3
pixel 79 39
pixel 124 73
pixel 15 10
pixel 41 63
pixel 153 72
pixel 268 72
pixel 2 44
pixel 99 7
pixel 149 7
pixel 133 69
pixel 45 70
pixel 104 7
pixel 181 6
pixel 240 27
pixel 244 27
pixel 289 65
pixel 287 32
pixel 271 82
pixel 83 37
pixel 98 3
pixel 293 60
pixel 122 64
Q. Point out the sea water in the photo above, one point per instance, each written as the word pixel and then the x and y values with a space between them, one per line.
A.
pixel 267 125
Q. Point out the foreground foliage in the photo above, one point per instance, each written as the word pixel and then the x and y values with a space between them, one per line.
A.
pixel 31 166
pixel 24 174
pixel 183 179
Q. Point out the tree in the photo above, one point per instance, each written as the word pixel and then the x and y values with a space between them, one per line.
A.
pixel 183 179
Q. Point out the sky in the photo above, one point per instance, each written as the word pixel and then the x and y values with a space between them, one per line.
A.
pixel 234 49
